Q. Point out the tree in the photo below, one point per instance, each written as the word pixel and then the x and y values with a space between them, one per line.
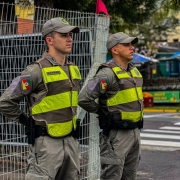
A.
pixel 77 5
pixel 130 11
pixel 162 22
pixel 143 17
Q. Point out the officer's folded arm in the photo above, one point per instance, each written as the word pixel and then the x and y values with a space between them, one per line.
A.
pixel 86 102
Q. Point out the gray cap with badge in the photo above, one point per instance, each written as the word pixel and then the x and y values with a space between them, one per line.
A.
pixel 59 25
pixel 119 38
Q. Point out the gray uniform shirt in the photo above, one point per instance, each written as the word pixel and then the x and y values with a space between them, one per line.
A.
pixel 9 101
pixel 93 89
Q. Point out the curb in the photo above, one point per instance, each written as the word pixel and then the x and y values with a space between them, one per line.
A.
pixel 159 148
pixel 161 110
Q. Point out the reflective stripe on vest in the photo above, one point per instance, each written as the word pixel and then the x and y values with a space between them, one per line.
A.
pixel 126 96
pixel 55 102
pixel 58 74
pixel 131 116
pixel 52 74
pixel 61 129
pixel 120 74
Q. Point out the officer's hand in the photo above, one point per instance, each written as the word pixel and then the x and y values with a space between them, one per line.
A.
pixel 24 120
pixel 76 133
pixel 102 114
pixel 27 130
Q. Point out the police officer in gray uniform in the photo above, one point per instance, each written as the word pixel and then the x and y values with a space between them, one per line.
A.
pixel 51 86
pixel 118 87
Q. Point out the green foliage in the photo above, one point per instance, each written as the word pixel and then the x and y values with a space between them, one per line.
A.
pixel 133 11
pixel 76 5
pixel 170 5
pixel 151 19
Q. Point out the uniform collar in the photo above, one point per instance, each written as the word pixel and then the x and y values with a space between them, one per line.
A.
pixel 130 65
pixel 52 60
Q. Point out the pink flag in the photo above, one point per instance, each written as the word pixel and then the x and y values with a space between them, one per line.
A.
pixel 100 7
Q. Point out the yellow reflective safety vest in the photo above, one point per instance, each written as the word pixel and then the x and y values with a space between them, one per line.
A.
pixel 126 95
pixel 58 107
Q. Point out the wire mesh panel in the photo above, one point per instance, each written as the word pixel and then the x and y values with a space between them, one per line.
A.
pixel 20 44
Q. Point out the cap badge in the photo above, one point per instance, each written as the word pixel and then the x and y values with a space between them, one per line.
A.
pixel 63 21
pixel 124 33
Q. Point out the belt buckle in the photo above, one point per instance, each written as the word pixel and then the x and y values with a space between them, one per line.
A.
pixel 125 124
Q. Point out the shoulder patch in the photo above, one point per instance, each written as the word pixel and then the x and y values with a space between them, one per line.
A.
pixel 26 83
pixel 21 84
pixel 104 83
pixel 97 85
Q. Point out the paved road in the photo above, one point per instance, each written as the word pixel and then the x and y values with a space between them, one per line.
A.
pixel 160 138
pixel 161 131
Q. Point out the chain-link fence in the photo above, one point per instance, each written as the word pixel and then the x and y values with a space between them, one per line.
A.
pixel 21 44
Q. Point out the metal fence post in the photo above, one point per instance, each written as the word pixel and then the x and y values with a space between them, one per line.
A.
pixel 99 57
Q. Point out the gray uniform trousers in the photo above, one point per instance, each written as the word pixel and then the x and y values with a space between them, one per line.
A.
pixel 53 159
pixel 120 154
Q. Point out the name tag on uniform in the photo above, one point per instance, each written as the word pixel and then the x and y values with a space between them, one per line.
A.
pixel 53 73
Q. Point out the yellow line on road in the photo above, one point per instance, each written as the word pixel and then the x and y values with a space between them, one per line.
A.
pixel 160 110
pixel 170 110
pixel 153 110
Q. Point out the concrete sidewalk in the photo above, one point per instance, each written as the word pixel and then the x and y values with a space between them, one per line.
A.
pixel 161 110
pixel 166 109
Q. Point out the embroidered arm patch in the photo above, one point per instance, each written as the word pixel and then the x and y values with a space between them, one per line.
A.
pixel 21 84
pixel 104 83
pixel 26 83
pixel 97 85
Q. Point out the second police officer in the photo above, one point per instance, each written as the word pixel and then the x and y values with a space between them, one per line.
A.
pixel 118 86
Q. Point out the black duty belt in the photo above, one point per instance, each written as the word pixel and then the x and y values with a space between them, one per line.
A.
pixel 42 131
pixel 126 124
pixel 117 123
